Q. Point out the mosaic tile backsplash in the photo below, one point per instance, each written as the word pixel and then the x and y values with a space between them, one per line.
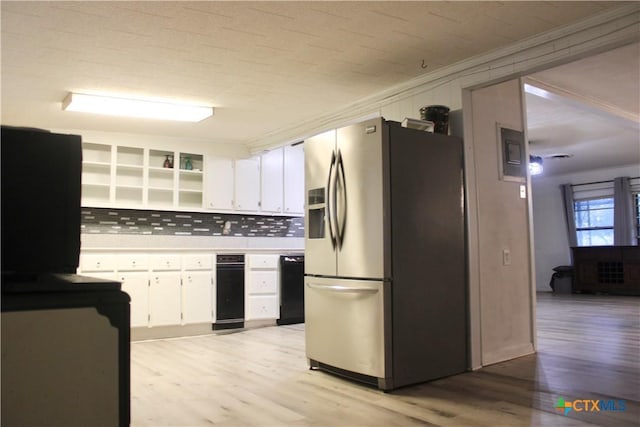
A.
pixel 133 221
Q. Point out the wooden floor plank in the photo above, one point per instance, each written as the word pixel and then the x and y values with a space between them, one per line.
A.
pixel 588 348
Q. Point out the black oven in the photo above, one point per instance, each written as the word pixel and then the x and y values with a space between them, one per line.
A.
pixel 229 292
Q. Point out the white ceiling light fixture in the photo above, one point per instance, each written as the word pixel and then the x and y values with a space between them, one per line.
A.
pixel 535 165
pixel 115 106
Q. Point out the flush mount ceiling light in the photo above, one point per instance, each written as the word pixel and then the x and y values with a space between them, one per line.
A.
pixel 114 106
pixel 535 165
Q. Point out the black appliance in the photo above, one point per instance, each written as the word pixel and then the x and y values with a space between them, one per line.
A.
pixel 291 289
pixel 229 292
pixel 41 179
pixel 65 352
pixel 65 337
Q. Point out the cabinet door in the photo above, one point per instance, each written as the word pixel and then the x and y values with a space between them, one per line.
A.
pixel 196 296
pixel 294 179
pixel 271 172
pixel 164 299
pixel 219 183
pixel 137 286
pixel 247 194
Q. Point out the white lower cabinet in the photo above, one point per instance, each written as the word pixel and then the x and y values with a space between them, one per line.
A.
pixel 165 306
pixel 173 289
pixel 97 263
pixel 263 282
pixel 261 288
pixel 137 286
pixel 262 307
pixel 197 288
pixel 133 273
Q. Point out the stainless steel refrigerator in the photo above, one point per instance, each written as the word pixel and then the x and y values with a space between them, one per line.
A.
pixel 385 294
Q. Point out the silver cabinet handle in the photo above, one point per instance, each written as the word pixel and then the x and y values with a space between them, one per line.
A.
pixel 338 288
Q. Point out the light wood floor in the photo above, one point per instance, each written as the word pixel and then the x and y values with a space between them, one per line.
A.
pixel 588 348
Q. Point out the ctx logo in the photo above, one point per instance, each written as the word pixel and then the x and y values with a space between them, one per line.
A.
pixel 589 405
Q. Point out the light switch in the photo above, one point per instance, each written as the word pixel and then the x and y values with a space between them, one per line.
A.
pixel 523 191
pixel 506 257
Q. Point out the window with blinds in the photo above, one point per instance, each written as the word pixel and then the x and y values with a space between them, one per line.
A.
pixel 594 221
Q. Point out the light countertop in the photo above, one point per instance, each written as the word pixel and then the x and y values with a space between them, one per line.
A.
pixel 218 244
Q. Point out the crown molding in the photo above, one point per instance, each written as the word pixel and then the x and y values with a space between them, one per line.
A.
pixel 567 97
pixel 605 31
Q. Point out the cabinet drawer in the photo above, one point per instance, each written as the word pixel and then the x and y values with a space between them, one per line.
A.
pixel 263 261
pixel 197 262
pixel 133 262
pixel 97 262
pixel 263 282
pixel 262 307
pixel 165 262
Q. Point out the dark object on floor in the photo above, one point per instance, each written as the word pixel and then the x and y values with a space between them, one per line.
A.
pixel 562 279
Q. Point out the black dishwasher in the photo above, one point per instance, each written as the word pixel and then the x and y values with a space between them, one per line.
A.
pixel 291 289
pixel 229 292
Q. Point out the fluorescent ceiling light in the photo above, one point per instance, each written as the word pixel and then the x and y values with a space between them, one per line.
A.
pixel 164 110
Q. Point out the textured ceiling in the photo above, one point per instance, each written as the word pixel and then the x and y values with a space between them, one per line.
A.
pixel 265 66
pixel 592 114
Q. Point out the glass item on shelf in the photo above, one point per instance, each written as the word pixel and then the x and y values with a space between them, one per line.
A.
pixel 187 164
pixel 167 162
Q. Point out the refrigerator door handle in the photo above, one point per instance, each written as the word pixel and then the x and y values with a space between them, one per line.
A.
pixel 341 208
pixel 331 201
pixel 343 289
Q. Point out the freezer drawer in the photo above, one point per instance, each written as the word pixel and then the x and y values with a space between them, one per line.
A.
pixel 345 324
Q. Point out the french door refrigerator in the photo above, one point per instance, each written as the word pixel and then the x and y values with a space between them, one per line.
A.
pixel 385 295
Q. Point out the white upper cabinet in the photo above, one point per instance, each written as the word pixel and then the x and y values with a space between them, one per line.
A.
pixel 161 179
pixel 96 174
pixel 116 176
pixel 220 183
pixel 271 187
pixel 190 180
pixel 135 177
pixel 294 179
pixel 247 194
pixel 129 176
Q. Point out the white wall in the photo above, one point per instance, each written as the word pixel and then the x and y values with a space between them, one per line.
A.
pixel 550 230
pixel 505 288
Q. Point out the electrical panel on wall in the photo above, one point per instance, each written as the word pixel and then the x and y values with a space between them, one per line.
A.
pixel 513 163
